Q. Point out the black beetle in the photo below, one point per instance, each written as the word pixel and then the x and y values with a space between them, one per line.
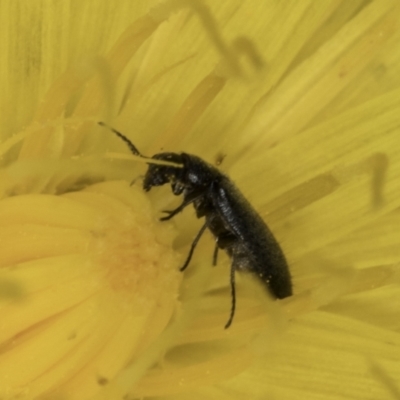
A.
pixel 236 226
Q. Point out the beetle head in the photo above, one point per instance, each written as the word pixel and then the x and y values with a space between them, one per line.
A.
pixel 158 175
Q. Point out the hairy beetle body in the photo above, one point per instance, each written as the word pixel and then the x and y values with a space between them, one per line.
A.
pixel 236 226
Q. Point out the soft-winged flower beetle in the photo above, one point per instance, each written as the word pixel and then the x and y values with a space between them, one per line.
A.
pixel 235 225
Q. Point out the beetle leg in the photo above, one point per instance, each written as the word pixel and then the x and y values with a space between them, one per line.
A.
pixel 172 213
pixel 193 246
pixel 223 241
pixel 233 293
pixel 215 255
pixel 189 199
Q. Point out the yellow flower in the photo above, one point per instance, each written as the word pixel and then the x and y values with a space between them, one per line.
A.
pixel 300 102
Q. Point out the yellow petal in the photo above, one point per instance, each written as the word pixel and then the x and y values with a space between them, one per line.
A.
pixel 97 284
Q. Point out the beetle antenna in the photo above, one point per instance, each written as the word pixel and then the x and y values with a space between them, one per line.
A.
pixel 131 146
